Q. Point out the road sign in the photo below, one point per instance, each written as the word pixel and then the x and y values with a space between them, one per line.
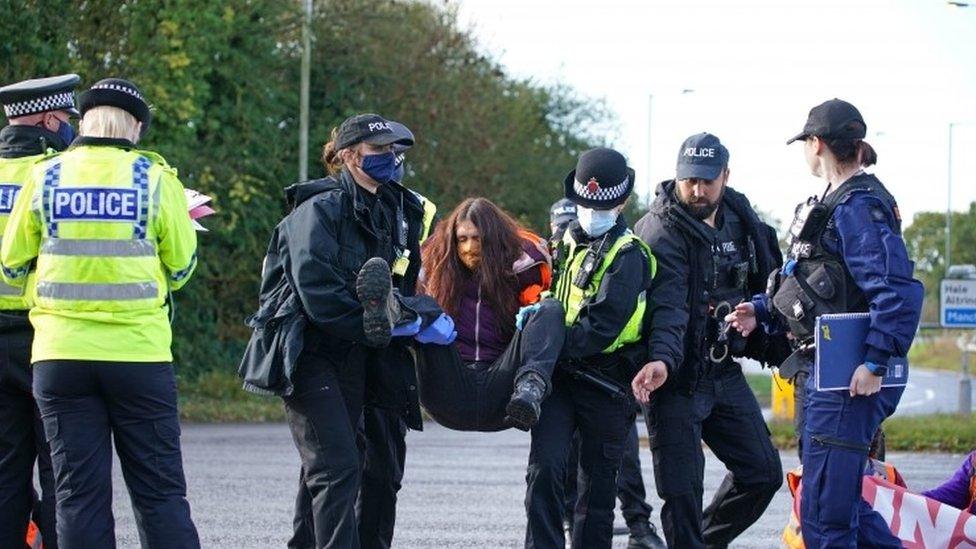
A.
pixel 958 299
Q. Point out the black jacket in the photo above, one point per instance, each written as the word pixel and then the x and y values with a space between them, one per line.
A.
pixel 679 298
pixel 19 141
pixel 310 271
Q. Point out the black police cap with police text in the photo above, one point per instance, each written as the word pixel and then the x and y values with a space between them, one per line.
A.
pixel 702 156
pixel 562 211
pixel 54 93
pixel 369 128
pixel 833 119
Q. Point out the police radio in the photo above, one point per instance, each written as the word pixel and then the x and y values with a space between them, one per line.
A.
pixel 594 256
pixel 809 220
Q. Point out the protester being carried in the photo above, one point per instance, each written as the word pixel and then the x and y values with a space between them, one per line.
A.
pixel 483 271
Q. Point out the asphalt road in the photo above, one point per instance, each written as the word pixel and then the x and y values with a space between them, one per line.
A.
pixel 460 490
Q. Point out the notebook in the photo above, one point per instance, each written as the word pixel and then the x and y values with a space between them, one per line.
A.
pixel 841 349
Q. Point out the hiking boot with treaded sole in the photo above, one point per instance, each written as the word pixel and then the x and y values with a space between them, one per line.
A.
pixel 374 287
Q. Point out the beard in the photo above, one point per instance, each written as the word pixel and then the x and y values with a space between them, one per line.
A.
pixel 702 208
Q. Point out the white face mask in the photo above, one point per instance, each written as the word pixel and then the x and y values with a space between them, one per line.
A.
pixel 596 222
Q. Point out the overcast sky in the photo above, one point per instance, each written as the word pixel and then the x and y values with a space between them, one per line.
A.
pixel 756 68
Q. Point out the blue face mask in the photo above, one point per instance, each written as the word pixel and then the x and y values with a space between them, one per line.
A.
pixel 379 167
pixel 596 222
pixel 66 132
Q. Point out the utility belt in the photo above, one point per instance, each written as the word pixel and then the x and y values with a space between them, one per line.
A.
pixel 607 378
pixel 722 342
pixel 618 367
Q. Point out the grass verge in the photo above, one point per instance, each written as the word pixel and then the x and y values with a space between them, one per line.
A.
pixel 762 387
pixel 217 397
pixel 932 433
pixel 939 353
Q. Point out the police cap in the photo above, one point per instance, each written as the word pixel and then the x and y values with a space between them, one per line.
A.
pixel 833 119
pixel 369 128
pixel 601 181
pixel 54 93
pixel 702 156
pixel 122 94
pixel 403 144
pixel 562 211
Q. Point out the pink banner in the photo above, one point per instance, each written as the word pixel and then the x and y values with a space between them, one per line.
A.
pixel 920 522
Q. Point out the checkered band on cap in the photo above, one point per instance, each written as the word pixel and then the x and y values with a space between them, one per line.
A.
pixel 54 102
pixel 117 87
pixel 602 194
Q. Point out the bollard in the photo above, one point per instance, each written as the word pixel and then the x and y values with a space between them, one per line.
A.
pixel 783 402
pixel 965 386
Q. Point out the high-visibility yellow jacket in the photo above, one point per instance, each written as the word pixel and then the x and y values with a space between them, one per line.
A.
pixel 13 173
pixel 109 231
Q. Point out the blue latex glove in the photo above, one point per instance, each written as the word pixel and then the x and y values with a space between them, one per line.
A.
pixel 523 314
pixel 406 330
pixel 440 331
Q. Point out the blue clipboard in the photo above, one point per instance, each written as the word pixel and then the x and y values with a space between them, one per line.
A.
pixel 840 342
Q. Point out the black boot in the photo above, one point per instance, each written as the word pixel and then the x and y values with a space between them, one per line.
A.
pixel 643 535
pixel 526 403
pixel 381 310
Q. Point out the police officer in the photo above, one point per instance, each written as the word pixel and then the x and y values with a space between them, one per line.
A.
pixel 846 255
pixel 38 111
pixel 384 427
pixel 108 228
pixel 630 483
pixel 561 213
pixel 713 253
pixel 337 224
pixel 603 272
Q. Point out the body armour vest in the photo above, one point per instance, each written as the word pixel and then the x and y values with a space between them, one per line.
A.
pixel 815 281
pixel 733 259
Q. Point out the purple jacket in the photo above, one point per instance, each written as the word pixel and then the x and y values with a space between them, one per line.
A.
pixel 960 490
pixel 480 335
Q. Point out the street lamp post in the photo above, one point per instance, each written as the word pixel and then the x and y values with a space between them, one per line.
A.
pixel 948 221
pixel 303 108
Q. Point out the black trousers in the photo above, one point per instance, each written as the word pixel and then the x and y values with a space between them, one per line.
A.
pixel 603 423
pixel 724 413
pixel 630 483
pixel 22 441
pixel 84 406
pixel 323 414
pixel 472 396
pixel 382 435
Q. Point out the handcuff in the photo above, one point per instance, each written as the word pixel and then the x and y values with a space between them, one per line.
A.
pixel 719 312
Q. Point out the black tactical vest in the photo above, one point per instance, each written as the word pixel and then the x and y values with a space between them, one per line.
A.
pixel 815 281
pixel 728 285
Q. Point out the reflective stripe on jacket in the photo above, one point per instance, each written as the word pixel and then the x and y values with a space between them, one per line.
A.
pixel 17 296
pixel 109 229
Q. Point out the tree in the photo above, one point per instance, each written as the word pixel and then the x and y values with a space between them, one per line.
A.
pixel 222 78
pixel 925 240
